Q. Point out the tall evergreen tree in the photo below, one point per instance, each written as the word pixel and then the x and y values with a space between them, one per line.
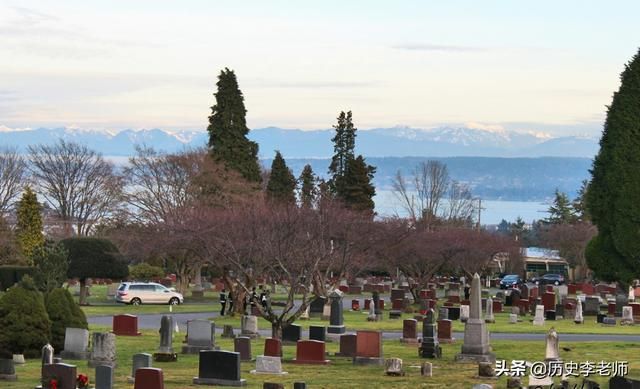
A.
pixel 344 143
pixel 358 189
pixel 308 189
pixel 580 203
pixel 282 183
pixel 613 198
pixel 228 129
pixel 561 211
pixel 29 224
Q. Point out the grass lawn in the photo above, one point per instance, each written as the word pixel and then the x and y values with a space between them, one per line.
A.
pixel 341 373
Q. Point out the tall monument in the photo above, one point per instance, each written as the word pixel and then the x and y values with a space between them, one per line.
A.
pixel 476 346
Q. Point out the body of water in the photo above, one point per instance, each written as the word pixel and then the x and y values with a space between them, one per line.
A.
pixel 493 211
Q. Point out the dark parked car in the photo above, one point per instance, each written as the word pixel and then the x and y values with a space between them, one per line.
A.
pixel 510 281
pixel 554 279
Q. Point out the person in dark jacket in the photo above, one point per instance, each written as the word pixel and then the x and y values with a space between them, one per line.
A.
pixel 223 301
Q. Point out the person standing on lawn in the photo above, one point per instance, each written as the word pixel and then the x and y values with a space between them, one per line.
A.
pixel 223 301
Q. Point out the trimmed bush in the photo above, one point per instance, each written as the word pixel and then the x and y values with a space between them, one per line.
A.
pixel 10 275
pixel 23 319
pixel 63 313
pixel 145 272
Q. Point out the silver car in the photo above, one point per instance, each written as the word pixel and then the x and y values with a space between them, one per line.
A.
pixel 137 293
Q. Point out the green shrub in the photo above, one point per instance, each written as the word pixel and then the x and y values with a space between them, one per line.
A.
pixel 145 272
pixel 51 263
pixel 63 313
pixel 23 319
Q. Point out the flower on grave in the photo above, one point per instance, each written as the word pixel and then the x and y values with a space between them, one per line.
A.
pixel 82 381
pixel 53 383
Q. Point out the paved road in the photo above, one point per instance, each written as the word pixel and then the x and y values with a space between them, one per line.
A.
pixel 152 321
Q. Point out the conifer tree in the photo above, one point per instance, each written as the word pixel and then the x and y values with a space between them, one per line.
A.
pixel 579 203
pixel 228 129
pixel 344 142
pixel 613 198
pixel 561 211
pixel 282 184
pixel 308 190
pixel 358 189
pixel 29 223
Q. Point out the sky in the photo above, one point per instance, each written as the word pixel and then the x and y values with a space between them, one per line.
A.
pixel 543 66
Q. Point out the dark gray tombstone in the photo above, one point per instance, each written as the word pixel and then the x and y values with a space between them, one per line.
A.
pixel 317 305
pixel 299 385
pixel 7 370
pixel 291 333
pixel 242 345
pixel 318 333
pixel 443 313
pixel 453 313
pixel 336 319
pixel 430 348
pixel 104 377
pixel 621 301
pixel 600 317
pixel 560 310
pixel 227 331
pixel 550 315
pixel 591 306
pixel 219 368
pixel 165 350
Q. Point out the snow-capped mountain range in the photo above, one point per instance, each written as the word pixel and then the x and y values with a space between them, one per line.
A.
pixel 378 142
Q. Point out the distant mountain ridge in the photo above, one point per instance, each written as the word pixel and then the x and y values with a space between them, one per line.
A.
pixel 377 142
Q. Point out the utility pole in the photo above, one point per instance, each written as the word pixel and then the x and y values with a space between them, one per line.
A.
pixel 479 213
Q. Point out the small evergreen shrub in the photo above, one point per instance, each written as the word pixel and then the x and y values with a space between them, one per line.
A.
pixel 63 313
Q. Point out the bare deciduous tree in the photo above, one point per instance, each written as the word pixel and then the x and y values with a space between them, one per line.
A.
pixel 12 173
pixel 430 196
pixel 422 197
pixel 77 182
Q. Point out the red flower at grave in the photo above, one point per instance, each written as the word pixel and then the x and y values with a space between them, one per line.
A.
pixel 82 381
pixel 53 383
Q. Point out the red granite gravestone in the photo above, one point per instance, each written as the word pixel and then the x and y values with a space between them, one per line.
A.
pixel 571 289
pixel 397 304
pixel 347 345
pixel 588 289
pixel 611 309
pixel 533 292
pixel 149 378
pixel 64 374
pixel 497 306
pixel 367 303
pixel 310 352
pixel 369 344
pixel 355 305
pixel 424 294
pixel 549 288
pixel 409 331
pixel 381 304
pixel 273 347
pixel 242 345
pixel 445 331
pixel 523 305
pixel 125 325
pixel 463 302
pixel 343 288
pixel 635 308
pixel 549 301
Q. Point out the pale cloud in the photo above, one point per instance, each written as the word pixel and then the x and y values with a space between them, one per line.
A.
pixel 438 48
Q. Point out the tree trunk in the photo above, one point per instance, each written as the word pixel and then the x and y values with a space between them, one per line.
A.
pixel 276 330
pixel 83 292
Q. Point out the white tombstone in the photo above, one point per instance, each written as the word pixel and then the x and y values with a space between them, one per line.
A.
pixel 268 365
pixel 249 326
pixel 305 314
pixel 538 320
pixel 579 319
pixel 326 312
pixel 632 294
pixel 488 317
pixel 372 311
pixel 552 351
pixel 76 344
pixel 464 312
pixel 513 318
pixel 627 315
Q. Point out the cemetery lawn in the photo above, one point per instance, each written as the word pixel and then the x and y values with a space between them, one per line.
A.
pixel 358 321
pixel 341 373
